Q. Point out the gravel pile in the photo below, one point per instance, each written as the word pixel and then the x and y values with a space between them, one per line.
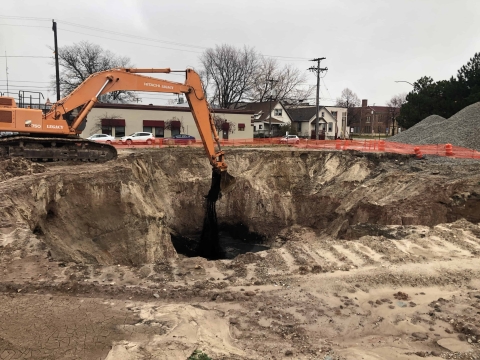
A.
pixel 462 129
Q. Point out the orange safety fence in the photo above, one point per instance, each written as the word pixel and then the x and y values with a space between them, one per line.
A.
pixel 360 145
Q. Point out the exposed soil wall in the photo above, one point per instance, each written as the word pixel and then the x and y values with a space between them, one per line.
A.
pixel 124 211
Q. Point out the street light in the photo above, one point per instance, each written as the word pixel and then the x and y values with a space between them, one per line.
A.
pixel 405 82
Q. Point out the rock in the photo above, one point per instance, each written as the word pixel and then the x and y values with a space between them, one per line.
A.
pixel 436 353
pixel 228 297
pixel 156 295
pixel 420 336
pixel 289 353
pixel 454 345
pixel 421 353
pixel 250 293
pixel 233 321
pixel 448 331
pixel 462 337
pixel 391 306
pixel 412 304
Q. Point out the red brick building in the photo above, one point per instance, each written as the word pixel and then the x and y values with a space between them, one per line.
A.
pixel 373 119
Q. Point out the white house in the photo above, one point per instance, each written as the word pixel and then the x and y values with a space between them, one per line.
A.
pixel 266 112
pixel 332 121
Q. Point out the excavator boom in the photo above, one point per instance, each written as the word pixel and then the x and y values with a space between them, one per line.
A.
pixel 31 124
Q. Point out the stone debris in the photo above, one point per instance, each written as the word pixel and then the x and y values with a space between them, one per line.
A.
pixel 461 129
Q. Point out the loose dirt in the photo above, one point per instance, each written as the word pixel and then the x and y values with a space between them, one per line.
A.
pixel 369 257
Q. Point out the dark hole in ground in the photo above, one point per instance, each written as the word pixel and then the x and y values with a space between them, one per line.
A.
pixel 233 239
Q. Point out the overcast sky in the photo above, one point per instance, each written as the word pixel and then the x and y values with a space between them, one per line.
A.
pixel 367 44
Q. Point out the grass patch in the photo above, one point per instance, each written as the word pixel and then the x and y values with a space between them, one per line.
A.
pixel 199 355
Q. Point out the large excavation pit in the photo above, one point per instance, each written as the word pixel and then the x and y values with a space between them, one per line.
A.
pixel 325 254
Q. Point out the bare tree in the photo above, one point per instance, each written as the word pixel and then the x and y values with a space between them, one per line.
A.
pixel 289 83
pixel 174 119
pixel 348 99
pixel 229 72
pixel 79 61
pixel 395 104
pixel 219 121
pixel 97 125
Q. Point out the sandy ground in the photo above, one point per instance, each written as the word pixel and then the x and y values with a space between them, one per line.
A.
pixel 340 299
pixel 414 293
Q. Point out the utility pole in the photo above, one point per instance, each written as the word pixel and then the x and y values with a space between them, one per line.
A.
pixel 271 81
pixel 6 69
pixel 57 69
pixel 318 70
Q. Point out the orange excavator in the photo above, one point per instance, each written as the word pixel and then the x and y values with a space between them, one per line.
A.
pixel 55 135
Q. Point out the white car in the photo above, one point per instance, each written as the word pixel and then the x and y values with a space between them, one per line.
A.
pixel 102 138
pixel 290 139
pixel 138 137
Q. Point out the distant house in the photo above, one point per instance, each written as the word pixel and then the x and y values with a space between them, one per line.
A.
pixel 262 117
pixel 373 119
pixel 332 121
pixel 163 121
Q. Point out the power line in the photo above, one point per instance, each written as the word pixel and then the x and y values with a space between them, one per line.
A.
pixel 35 26
pixel 47 82
pixel 130 35
pixel 24 18
pixel 130 42
pixel 285 58
pixel 26 56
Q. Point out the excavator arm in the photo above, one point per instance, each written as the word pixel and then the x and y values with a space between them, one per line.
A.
pixel 87 94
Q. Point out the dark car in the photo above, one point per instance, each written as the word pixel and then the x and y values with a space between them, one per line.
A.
pixel 180 139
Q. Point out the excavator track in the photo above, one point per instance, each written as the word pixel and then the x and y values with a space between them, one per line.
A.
pixel 56 149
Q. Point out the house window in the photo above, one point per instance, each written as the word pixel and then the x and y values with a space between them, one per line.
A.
pixel 367 130
pixel 368 119
pixel 119 131
pixel 330 127
pixel 260 127
pixel 159 132
pixel 277 112
pixel 147 129
pixel 299 126
pixel 334 114
pixel 107 130
pixel 108 125
pixel 241 127
pixel 323 114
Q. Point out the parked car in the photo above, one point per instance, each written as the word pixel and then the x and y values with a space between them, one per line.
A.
pixel 180 139
pixel 139 138
pixel 290 139
pixel 102 138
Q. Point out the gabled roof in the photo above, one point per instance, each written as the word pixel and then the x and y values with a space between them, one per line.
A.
pixel 304 113
pixel 262 107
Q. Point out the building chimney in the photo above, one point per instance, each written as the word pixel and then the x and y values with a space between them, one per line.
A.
pixel 364 103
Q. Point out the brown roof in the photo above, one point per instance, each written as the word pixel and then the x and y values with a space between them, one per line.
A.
pixel 263 108
pixel 166 108
pixel 304 113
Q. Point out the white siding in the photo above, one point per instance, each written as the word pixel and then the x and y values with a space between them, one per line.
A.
pixel 134 121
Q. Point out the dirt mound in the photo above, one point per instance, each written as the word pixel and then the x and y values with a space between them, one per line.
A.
pixel 18 167
pixel 125 211
pixel 460 130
